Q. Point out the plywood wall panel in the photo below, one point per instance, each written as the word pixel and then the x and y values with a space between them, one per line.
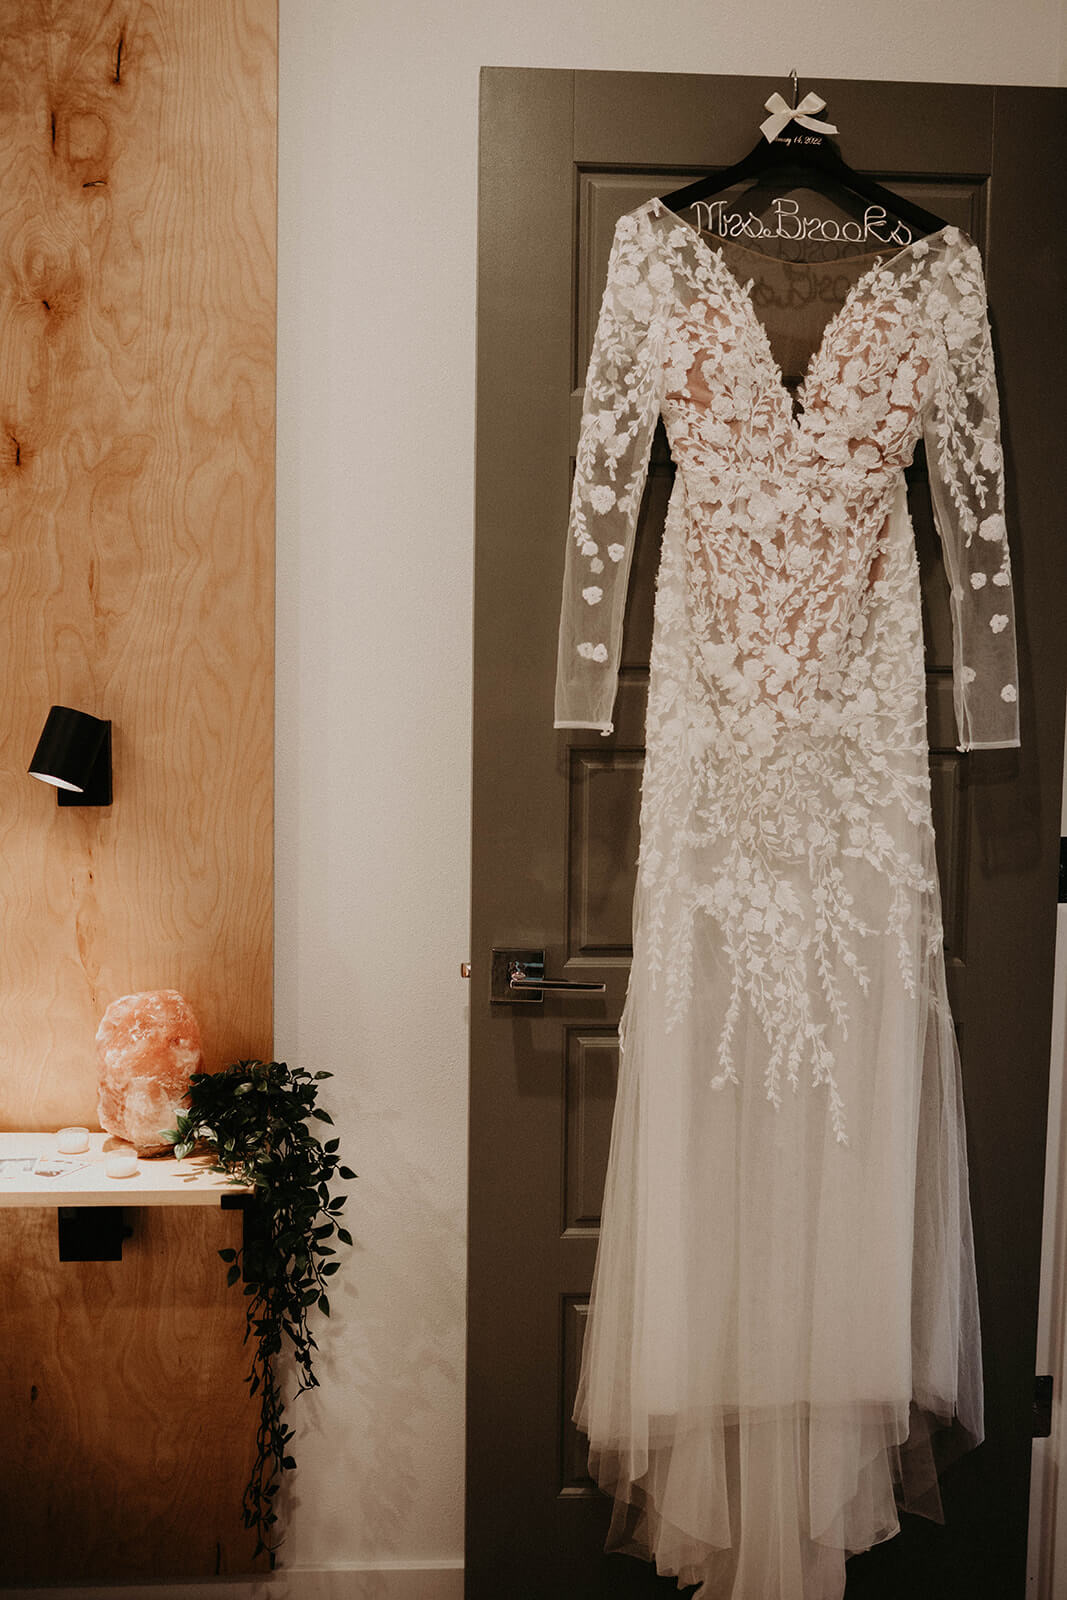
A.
pixel 128 1429
pixel 137 226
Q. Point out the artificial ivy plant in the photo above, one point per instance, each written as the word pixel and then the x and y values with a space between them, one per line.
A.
pixel 253 1115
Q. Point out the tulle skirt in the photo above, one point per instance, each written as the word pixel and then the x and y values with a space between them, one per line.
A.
pixel 779 1322
pixel 782 1323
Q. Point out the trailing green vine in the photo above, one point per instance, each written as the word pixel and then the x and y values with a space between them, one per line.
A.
pixel 253 1115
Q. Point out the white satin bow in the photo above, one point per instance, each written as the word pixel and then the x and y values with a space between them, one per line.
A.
pixel 781 114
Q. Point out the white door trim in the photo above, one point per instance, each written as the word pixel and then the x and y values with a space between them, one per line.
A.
pixel 1046 1569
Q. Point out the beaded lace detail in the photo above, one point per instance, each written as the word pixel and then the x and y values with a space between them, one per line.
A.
pixel 786 796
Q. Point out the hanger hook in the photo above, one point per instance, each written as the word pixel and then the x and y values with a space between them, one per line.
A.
pixel 796 87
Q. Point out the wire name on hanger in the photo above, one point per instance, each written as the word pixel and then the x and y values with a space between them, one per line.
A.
pixel 790 223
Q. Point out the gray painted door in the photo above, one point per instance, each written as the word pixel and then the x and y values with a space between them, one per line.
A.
pixel 555 816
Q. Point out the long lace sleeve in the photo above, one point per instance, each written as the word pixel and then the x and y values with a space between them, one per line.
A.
pixel 622 399
pixel 966 467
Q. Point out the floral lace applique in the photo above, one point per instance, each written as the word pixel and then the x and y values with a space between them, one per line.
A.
pixel 786 762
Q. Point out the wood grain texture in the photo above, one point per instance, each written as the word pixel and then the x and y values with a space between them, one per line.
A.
pixel 137 308
pixel 128 1431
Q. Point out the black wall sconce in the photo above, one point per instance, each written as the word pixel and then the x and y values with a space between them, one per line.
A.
pixel 74 754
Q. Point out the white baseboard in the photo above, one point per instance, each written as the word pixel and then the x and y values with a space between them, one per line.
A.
pixel 418 1580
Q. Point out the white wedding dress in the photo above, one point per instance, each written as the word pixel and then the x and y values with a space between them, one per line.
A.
pixel 784 1307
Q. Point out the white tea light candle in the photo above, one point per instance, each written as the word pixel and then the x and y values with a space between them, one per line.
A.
pixel 72 1141
pixel 120 1166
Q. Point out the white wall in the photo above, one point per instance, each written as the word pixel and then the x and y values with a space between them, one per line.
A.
pixel 375 511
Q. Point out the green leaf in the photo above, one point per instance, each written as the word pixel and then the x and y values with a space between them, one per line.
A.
pixel 182 1150
pixel 263 1138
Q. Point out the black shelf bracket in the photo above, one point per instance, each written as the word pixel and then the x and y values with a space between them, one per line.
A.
pixel 91 1233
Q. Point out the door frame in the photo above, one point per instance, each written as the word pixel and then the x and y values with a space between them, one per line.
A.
pixel 1047 1552
pixel 540 128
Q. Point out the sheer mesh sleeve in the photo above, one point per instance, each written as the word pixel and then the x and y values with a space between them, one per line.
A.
pixel 623 391
pixel 966 466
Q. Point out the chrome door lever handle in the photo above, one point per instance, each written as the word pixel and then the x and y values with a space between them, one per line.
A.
pixel 519 979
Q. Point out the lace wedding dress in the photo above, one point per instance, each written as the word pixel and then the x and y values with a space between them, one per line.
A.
pixel 784 1307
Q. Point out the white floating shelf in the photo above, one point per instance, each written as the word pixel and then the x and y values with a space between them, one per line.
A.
pixel 158 1181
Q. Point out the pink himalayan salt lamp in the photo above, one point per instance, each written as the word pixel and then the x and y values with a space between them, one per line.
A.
pixel 148 1045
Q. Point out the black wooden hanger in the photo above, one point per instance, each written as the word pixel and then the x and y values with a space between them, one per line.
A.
pixel 821 160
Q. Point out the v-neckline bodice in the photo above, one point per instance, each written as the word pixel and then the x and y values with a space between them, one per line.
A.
pixel 713 259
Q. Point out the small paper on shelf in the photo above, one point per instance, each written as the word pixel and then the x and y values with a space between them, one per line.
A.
pixel 57 1166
